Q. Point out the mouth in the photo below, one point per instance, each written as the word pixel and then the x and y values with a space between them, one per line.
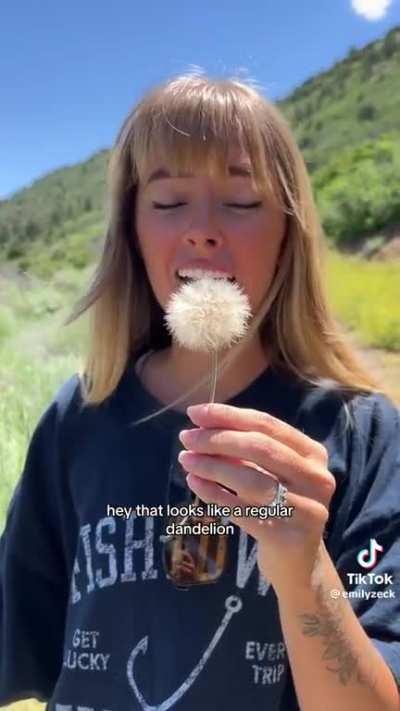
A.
pixel 188 279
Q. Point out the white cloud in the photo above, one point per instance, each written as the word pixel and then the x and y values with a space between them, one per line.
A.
pixel 371 9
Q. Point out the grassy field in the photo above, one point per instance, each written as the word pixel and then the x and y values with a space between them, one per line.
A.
pixel 29 705
pixel 365 296
pixel 37 354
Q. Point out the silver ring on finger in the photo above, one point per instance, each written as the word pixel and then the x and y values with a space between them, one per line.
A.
pixel 280 498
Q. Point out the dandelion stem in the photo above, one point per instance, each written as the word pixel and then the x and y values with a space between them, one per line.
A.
pixel 214 375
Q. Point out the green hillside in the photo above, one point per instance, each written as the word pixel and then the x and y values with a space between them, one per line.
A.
pixel 357 100
pixel 345 119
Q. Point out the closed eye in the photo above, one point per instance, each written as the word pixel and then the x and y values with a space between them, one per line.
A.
pixel 160 206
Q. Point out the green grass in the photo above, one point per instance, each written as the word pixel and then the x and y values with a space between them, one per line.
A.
pixel 365 295
pixel 29 705
pixel 37 354
pixel 27 388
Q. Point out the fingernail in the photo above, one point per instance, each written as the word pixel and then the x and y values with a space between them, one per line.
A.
pixel 186 458
pixel 196 409
pixel 187 437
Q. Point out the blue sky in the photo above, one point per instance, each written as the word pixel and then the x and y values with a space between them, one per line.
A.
pixel 70 71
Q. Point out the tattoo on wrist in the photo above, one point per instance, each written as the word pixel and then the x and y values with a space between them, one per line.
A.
pixel 337 649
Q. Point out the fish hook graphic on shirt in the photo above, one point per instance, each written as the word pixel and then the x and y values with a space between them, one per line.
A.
pixel 233 605
pixel 98 565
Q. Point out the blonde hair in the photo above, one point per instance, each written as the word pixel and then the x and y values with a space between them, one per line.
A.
pixel 194 120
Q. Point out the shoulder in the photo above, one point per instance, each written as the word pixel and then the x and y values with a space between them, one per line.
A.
pixel 360 414
pixel 62 408
pixel 359 430
pixel 367 506
pixel 365 502
pixel 68 397
pixel 321 408
pixel 375 422
pixel 375 410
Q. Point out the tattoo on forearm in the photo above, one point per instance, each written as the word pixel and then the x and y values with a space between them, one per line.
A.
pixel 336 647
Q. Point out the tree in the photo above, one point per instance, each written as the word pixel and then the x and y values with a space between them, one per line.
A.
pixel 366 112
pixel 391 44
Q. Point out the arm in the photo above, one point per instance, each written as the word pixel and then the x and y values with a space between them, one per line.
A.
pixel 334 663
pixel 33 576
pixel 291 553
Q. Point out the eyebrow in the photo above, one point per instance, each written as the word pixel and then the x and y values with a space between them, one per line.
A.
pixel 234 170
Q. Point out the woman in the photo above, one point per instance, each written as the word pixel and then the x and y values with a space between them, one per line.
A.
pixel 205 174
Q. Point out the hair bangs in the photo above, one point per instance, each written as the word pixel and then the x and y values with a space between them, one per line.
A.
pixel 196 130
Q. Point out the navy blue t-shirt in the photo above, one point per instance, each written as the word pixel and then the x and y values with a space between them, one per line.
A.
pixel 88 619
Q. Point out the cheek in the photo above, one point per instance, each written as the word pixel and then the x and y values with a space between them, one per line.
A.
pixel 259 250
pixel 258 255
pixel 154 242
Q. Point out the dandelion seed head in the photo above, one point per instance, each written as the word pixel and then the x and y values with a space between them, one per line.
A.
pixel 208 314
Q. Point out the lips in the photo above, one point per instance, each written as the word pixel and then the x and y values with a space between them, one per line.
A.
pixel 206 266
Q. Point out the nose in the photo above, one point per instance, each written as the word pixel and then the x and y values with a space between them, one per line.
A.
pixel 202 240
pixel 203 231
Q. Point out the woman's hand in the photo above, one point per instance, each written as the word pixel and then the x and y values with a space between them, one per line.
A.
pixel 247 451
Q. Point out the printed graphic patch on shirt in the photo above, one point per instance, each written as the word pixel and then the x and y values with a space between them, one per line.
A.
pixel 101 563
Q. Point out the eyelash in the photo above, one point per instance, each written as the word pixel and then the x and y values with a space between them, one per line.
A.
pixel 160 206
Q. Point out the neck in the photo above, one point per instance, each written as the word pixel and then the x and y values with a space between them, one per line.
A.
pixel 181 369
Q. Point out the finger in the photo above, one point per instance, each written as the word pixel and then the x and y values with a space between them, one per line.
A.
pixel 253 484
pixel 221 415
pixel 302 509
pixel 246 481
pixel 267 453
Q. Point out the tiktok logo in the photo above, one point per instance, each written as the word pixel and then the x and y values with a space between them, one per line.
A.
pixel 367 557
